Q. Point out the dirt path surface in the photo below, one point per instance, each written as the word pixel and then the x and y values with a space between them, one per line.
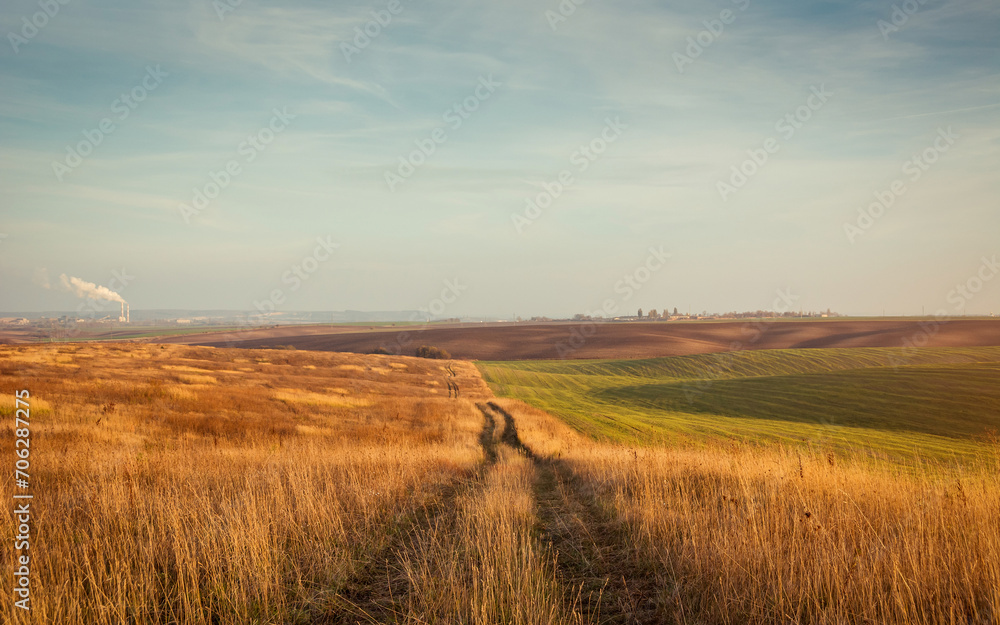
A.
pixel 452 385
pixel 378 592
pixel 605 582
pixel 599 579
pixel 617 340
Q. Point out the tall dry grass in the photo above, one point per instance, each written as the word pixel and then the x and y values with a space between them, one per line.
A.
pixel 768 536
pixel 483 563
pixel 193 485
pixel 182 485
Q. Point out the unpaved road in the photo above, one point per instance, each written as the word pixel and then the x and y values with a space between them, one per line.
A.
pixel 600 579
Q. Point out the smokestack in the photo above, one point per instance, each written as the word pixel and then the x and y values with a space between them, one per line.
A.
pixel 82 288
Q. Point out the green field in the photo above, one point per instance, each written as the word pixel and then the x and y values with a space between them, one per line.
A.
pixel 934 404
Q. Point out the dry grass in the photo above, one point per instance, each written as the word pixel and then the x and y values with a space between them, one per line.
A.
pixel 482 564
pixel 161 501
pixel 754 536
pixel 306 487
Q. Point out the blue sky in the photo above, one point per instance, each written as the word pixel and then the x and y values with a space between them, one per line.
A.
pixel 218 81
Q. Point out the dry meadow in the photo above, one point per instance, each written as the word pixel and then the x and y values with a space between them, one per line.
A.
pixel 178 484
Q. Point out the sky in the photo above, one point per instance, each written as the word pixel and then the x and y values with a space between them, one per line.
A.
pixel 491 159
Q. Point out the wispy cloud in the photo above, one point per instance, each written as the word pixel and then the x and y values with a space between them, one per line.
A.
pixel 356 118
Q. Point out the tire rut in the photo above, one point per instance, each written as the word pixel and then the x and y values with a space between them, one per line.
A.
pixel 378 590
pixel 452 386
pixel 608 582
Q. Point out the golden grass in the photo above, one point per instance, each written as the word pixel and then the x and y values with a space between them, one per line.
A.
pixel 482 563
pixel 319 399
pixel 8 406
pixel 317 487
pixel 161 503
pixel 743 535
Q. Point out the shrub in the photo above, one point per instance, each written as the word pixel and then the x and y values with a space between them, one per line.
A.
pixel 425 351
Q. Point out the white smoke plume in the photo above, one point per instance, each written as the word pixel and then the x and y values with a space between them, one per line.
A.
pixel 82 288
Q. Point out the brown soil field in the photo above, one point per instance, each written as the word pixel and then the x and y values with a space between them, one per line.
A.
pixel 616 340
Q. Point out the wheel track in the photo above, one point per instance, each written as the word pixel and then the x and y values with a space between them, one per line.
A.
pixel 609 584
pixel 603 580
pixel 453 386
pixel 378 590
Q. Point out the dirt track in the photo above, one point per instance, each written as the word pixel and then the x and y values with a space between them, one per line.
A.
pixel 616 340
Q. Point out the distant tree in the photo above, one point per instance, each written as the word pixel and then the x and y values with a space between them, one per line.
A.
pixel 640 313
pixel 436 353
pixel 675 310
pixel 653 314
